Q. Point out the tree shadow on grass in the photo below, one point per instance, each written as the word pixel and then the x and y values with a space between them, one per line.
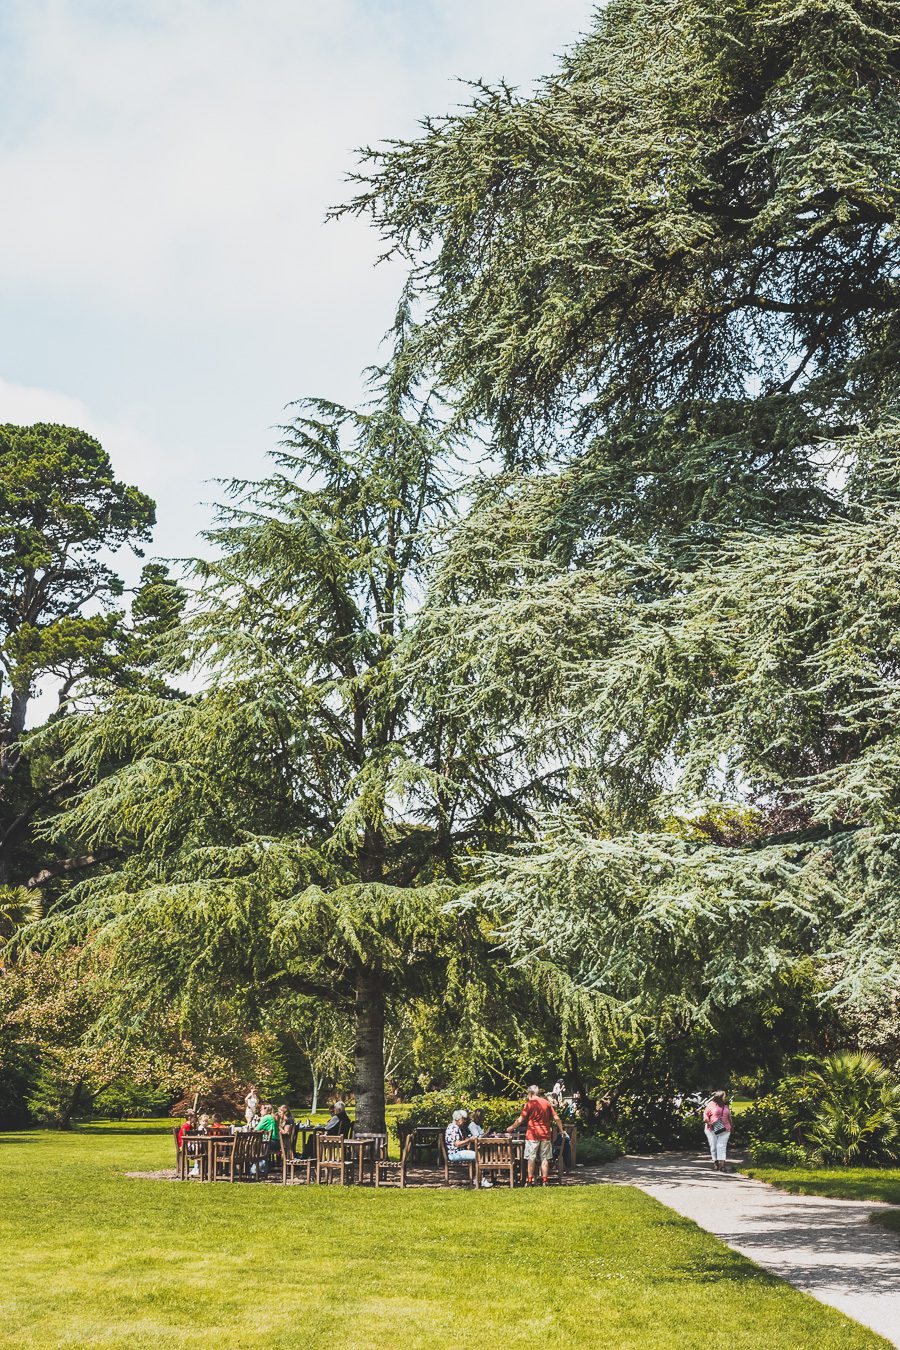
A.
pixel 101 1130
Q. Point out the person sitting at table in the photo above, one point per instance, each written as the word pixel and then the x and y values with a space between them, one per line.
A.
pixel 189 1126
pixel 340 1123
pixel 476 1125
pixel 268 1128
pixel 203 1124
pixel 454 1135
pixel 285 1124
pixel 268 1121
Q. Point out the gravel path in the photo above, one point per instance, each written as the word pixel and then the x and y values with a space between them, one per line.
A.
pixel 825 1247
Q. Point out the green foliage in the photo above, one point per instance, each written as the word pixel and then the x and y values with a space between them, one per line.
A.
pixel 643 1123
pixel 595 1149
pixel 844 1108
pixel 62 514
pixel 672 273
pixel 125 1100
pixel 61 509
pixel 700 201
pixel 436 1108
pixel 779 1155
pixel 297 829
pixel 859 1111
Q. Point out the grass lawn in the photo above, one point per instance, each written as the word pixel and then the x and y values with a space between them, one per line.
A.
pixel 93 1259
pixel 846 1183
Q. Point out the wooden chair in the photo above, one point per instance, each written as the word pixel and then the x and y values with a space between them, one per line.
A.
pixel 224 1156
pixel 559 1162
pixel 427 1139
pixel 180 1155
pixel 381 1142
pixel 331 1159
pixel 290 1163
pixel 193 1154
pixel 386 1167
pixel 447 1162
pixel 239 1156
pixel 380 1147
pixel 255 1153
pixel 495 1157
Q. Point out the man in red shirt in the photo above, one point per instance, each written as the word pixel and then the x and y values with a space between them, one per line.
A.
pixel 537 1116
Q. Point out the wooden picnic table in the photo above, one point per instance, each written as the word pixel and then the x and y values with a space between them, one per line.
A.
pixel 360 1147
pixel 303 1134
pixel 202 1148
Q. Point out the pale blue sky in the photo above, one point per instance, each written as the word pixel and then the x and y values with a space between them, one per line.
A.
pixel 167 279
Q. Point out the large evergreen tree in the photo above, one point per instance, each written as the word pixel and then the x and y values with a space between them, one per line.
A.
pixel 296 829
pixel 669 284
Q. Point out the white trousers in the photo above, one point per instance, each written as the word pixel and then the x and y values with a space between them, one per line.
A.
pixel 718 1144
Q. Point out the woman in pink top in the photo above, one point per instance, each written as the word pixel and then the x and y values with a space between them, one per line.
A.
pixel 717 1124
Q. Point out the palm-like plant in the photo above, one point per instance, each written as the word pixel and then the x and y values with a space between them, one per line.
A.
pixel 859 1109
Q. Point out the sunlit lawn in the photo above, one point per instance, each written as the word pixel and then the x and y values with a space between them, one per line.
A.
pixel 846 1183
pixel 92 1258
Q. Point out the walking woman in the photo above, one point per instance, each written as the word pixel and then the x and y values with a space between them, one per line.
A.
pixel 717 1124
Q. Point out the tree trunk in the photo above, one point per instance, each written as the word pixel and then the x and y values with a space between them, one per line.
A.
pixel 65 1119
pixel 15 725
pixel 369 1051
pixel 316 1085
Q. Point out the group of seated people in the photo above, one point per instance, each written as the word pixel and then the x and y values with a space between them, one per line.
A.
pixel 271 1123
pixel 536 1120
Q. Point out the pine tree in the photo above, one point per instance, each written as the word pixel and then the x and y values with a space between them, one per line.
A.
pixel 667 283
pixel 298 828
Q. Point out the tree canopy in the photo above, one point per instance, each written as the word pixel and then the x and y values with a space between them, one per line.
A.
pixel 699 206
pixel 608 721
pixel 300 825
pixel 667 285
pixel 63 513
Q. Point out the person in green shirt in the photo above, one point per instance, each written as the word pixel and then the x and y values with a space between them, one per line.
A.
pixel 268 1127
pixel 268 1124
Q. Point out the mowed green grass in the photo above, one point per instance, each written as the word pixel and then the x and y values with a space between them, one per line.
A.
pixel 844 1183
pixel 91 1258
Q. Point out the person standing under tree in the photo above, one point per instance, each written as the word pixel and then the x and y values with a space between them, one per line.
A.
pixel 251 1105
pixel 538 1116
pixel 717 1125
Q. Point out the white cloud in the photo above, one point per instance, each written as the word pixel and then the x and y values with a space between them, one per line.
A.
pixel 187 158
pixel 167 165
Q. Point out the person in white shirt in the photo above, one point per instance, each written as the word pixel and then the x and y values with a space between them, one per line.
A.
pixel 251 1105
